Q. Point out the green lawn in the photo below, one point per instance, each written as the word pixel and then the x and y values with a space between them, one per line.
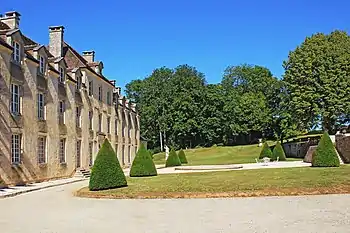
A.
pixel 219 155
pixel 262 182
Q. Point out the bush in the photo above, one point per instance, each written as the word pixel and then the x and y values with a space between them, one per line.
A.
pixel 106 172
pixel 173 159
pixel 325 154
pixel 182 157
pixel 278 152
pixel 143 164
pixel 265 151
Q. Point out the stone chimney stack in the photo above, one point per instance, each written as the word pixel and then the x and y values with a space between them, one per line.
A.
pixel 89 56
pixel 56 40
pixel 11 19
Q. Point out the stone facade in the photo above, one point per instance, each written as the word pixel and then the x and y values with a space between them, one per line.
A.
pixel 343 146
pixel 56 108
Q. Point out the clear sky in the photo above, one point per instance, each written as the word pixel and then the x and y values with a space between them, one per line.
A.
pixel 133 37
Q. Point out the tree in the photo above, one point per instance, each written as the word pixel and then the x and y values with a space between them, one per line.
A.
pixel 325 154
pixel 318 81
pixel 265 151
pixel 278 152
pixel 182 157
pixel 143 164
pixel 173 159
pixel 106 172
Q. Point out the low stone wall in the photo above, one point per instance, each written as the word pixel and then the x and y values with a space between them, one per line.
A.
pixel 343 147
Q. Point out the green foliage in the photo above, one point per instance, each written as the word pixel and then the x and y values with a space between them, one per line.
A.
pixel 143 164
pixel 173 159
pixel 317 80
pixel 182 157
pixel 278 152
pixel 106 172
pixel 265 151
pixel 325 154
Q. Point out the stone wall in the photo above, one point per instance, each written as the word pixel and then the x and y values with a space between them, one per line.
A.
pixel 343 147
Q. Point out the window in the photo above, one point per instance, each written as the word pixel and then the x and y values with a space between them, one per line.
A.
pixel 16 149
pixel 108 125
pixel 78 116
pixel 41 150
pixel 62 76
pixel 61 111
pixel 116 150
pixel 108 98
pixel 62 150
pixel 91 88
pixel 78 153
pixel 78 86
pixel 116 126
pixel 100 93
pixel 16 51
pixel 42 64
pixel 90 153
pixel 90 119
pixel 41 106
pixel 15 104
pixel 100 123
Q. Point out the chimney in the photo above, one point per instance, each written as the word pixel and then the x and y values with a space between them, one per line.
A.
pixel 56 40
pixel 89 56
pixel 11 19
pixel 118 90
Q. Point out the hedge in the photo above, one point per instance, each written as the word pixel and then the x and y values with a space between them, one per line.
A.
pixel 182 157
pixel 325 154
pixel 173 159
pixel 143 164
pixel 106 172
pixel 278 152
pixel 265 151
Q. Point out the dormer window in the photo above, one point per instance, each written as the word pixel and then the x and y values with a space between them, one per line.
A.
pixel 78 83
pixel 42 64
pixel 61 71
pixel 16 51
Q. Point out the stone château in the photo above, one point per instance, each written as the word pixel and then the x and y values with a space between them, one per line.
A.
pixel 56 108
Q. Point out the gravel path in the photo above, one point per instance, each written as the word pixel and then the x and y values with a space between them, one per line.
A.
pixel 55 210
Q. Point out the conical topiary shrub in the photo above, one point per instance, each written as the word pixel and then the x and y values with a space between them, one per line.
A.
pixel 173 159
pixel 325 154
pixel 182 157
pixel 106 172
pixel 278 152
pixel 265 151
pixel 143 164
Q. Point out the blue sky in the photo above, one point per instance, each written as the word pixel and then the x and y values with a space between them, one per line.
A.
pixel 134 37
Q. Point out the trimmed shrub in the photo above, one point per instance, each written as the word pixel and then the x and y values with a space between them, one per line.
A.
pixel 173 159
pixel 143 164
pixel 325 154
pixel 265 151
pixel 106 172
pixel 278 152
pixel 182 157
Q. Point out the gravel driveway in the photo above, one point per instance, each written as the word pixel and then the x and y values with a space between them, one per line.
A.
pixel 55 210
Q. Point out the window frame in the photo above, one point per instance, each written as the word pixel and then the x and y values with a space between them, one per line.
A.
pixel 78 116
pixel 100 93
pixel 100 123
pixel 16 146
pixel 16 56
pixel 91 116
pixel 62 110
pixel 108 124
pixel 41 106
pixel 91 88
pixel 42 146
pixel 41 64
pixel 15 107
pixel 62 151
pixel 62 74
